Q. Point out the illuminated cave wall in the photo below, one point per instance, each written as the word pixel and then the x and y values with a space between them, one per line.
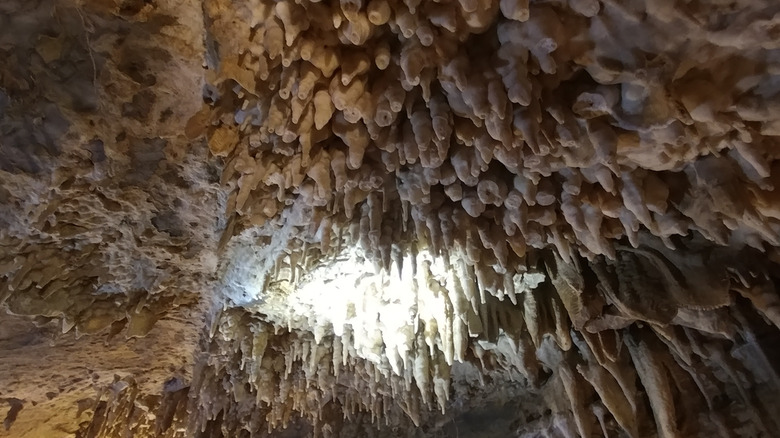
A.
pixel 419 218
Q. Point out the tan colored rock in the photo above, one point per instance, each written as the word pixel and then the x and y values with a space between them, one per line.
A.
pixel 394 190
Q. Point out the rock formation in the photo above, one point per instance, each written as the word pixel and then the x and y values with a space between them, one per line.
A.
pixel 389 218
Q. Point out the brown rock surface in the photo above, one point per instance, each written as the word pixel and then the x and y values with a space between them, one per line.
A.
pixel 385 218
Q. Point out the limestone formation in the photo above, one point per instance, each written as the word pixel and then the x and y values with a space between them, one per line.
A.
pixel 389 218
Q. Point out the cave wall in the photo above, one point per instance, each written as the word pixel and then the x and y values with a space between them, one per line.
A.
pixel 109 215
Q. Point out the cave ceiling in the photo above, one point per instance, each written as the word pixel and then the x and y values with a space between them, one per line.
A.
pixel 382 218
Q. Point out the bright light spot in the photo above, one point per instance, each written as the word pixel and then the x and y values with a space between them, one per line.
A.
pixel 382 310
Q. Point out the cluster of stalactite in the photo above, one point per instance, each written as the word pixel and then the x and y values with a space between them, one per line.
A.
pixel 580 140
pixel 122 409
pixel 651 342
pixel 549 124
pixel 580 193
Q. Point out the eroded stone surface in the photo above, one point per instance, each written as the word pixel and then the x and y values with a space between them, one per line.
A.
pixel 59 378
pixel 578 194
pixel 109 215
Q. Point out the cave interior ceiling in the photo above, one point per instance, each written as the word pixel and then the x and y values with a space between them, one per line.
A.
pixel 384 218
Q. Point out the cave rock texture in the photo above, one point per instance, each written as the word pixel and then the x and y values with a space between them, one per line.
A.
pixel 389 218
